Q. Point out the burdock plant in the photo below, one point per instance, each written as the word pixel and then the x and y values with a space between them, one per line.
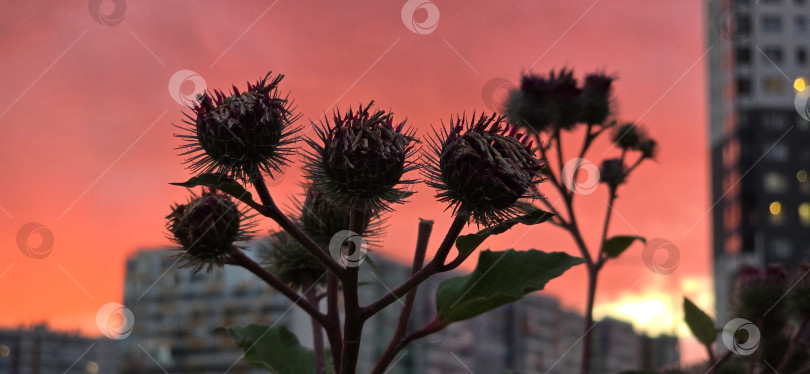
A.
pixel 554 107
pixel 360 165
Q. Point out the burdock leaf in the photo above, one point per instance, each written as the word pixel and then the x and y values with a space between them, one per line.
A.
pixel 499 278
pixel 699 322
pixel 273 348
pixel 221 182
pixel 618 244
pixel 466 244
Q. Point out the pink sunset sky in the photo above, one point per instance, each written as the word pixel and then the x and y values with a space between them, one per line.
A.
pixel 86 114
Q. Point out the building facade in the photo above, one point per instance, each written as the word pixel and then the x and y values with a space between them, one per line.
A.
pixel 758 133
pixel 176 315
pixel 39 350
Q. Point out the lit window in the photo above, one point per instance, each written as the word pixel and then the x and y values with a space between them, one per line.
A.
pixel 804 214
pixel 777 218
pixel 804 183
pixel 4 351
pixel 776 208
pixel 775 183
pixel 773 85
pixel 802 176
pixel 771 24
pixel 92 367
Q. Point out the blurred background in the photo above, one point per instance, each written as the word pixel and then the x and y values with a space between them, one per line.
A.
pixel 91 90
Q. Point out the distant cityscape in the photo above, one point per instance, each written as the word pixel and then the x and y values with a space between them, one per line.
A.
pixel 176 314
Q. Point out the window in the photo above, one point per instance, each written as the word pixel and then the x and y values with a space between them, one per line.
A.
pixel 781 248
pixel 742 25
pixel 773 85
pixel 774 121
pixel 771 24
pixel 777 217
pixel 743 86
pixel 800 25
pixel 804 214
pixel 773 54
pixel 801 56
pixel 743 55
pixel 775 182
pixel 778 152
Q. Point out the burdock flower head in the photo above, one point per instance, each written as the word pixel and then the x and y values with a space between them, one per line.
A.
pixel 359 159
pixel 543 102
pixel 240 134
pixel 207 229
pixel 595 99
pixel 286 259
pixel 482 167
pixel 322 218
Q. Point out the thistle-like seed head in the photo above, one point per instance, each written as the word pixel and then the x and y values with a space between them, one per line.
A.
pixel 359 158
pixel 482 166
pixel 291 263
pixel 207 228
pixel 757 291
pixel 648 148
pixel 321 218
pixel 612 172
pixel 542 103
pixel 240 134
pixel 629 136
pixel 595 99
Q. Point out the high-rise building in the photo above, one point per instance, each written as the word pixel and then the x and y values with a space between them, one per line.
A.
pixel 176 314
pixel 757 56
pixel 40 350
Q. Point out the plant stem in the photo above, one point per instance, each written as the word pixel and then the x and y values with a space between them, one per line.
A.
pixel 433 267
pixel 397 346
pixel 794 345
pixel 317 332
pixel 353 321
pixel 425 228
pixel 593 274
pixel 270 210
pixel 242 260
pixel 334 334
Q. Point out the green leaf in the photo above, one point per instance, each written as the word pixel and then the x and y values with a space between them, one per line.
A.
pixel 221 182
pixel 699 322
pixel 466 244
pixel 499 278
pixel 618 244
pixel 273 348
